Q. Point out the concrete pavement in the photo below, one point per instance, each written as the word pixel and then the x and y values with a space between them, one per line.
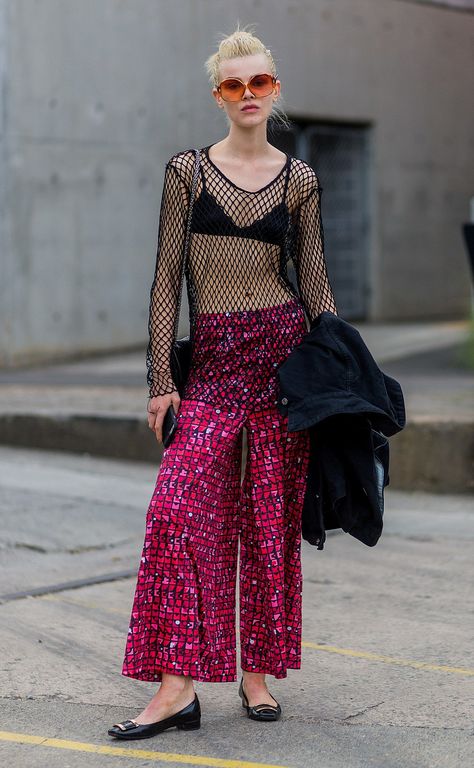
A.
pixel 387 678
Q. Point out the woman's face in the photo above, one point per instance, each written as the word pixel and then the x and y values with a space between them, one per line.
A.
pixel 244 67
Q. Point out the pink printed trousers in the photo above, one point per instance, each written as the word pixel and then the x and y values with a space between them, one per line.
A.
pixel 184 609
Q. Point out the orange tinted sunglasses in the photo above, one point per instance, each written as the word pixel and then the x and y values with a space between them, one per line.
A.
pixel 233 89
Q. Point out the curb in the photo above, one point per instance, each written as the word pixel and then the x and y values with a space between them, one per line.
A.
pixel 97 435
pixel 436 457
pixel 433 456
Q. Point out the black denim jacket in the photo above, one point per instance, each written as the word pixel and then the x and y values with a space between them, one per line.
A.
pixel 331 385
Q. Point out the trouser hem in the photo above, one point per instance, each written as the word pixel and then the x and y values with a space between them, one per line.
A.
pixel 268 669
pixel 199 677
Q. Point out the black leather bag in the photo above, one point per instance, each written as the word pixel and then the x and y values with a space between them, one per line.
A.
pixel 180 363
pixel 181 350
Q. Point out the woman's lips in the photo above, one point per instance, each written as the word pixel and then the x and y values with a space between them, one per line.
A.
pixel 250 109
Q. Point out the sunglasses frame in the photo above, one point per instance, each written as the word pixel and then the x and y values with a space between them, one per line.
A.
pixel 247 85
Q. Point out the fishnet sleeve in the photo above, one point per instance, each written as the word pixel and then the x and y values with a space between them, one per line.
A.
pixel 310 262
pixel 165 294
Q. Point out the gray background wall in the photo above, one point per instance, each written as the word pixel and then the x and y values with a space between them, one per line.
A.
pixel 97 94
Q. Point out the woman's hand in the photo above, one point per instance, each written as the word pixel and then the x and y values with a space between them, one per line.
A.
pixel 157 407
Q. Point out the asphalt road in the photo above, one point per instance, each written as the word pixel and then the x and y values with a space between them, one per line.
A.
pixel 388 655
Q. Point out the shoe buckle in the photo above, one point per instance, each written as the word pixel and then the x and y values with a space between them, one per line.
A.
pixel 127 725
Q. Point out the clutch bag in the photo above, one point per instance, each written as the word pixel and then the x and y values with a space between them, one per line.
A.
pixel 170 425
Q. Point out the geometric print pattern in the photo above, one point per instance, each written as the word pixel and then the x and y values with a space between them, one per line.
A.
pixel 183 618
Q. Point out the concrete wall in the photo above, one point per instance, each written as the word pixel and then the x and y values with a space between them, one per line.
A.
pixel 97 94
pixel 89 123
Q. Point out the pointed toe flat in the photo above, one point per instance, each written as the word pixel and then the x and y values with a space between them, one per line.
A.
pixel 187 719
pixel 262 712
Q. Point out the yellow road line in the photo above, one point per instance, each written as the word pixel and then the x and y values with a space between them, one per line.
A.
pixel 141 754
pixel 389 659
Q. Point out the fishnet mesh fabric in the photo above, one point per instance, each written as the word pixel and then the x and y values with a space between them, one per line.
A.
pixel 240 247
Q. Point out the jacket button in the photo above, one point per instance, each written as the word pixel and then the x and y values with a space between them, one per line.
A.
pixel 284 400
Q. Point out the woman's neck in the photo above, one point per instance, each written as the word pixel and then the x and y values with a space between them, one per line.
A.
pixel 246 145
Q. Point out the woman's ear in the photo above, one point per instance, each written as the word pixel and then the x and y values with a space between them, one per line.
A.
pixel 217 97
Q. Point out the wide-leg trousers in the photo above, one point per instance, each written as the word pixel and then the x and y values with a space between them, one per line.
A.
pixel 183 618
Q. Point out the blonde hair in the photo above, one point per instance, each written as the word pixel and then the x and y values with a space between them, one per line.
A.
pixel 241 42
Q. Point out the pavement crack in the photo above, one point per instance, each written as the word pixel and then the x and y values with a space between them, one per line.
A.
pixel 93 547
pixel 26 545
pixel 363 711
pixel 76 550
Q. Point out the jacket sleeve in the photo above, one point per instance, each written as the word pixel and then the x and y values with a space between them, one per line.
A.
pixel 309 256
pixel 165 294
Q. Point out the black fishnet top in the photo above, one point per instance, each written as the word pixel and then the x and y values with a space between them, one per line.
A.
pixel 240 246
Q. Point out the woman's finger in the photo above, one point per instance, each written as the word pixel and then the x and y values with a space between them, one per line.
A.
pixel 158 428
pixel 176 402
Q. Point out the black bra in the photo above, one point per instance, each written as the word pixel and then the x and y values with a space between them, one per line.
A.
pixel 209 218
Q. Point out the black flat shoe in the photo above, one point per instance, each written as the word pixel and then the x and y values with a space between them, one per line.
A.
pixel 187 719
pixel 263 712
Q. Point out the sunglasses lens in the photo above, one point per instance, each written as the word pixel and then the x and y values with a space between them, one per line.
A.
pixel 261 85
pixel 232 90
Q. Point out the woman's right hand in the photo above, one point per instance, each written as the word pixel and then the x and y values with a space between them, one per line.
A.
pixel 157 407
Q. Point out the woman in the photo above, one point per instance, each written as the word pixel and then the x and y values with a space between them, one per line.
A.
pixel 255 208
